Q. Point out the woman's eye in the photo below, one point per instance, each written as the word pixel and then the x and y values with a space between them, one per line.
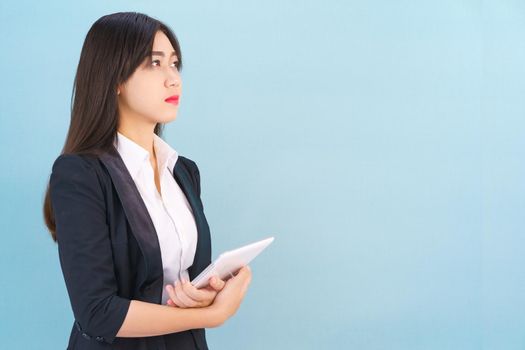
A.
pixel 158 61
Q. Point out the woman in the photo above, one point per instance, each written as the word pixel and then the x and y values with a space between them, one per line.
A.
pixel 124 208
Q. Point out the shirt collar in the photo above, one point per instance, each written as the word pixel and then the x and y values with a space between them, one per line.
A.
pixel 166 155
pixel 135 156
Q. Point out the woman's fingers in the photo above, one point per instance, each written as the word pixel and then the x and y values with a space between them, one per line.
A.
pixel 247 276
pixel 178 296
pixel 202 296
pixel 184 294
pixel 216 283
pixel 173 295
pixel 186 300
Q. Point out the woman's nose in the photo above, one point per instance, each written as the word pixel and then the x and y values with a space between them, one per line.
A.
pixel 173 80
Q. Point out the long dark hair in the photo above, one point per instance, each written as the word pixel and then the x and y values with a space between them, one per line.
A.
pixel 114 47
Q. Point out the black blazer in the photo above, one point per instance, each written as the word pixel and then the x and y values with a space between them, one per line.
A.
pixel 109 250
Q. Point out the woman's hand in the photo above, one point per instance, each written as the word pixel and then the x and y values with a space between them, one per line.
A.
pixel 185 295
pixel 229 299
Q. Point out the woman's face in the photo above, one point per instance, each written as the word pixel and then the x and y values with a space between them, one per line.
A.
pixel 142 97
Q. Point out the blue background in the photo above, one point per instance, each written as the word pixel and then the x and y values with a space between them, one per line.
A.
pixel 380 142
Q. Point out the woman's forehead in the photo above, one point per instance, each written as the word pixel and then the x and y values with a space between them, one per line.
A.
pixel 161 43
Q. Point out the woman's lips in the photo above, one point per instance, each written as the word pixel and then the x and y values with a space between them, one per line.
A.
pixel 173 100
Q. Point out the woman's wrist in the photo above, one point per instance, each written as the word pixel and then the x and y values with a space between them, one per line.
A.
pixel 214 316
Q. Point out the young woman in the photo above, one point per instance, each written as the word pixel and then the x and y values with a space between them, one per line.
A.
pixel 124 207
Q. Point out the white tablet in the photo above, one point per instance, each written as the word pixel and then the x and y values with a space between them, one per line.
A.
pixel 231 261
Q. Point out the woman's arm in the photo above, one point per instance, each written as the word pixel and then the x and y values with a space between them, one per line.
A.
pixel 84 248
pixel 148 319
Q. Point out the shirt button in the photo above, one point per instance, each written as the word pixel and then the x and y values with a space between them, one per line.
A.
pixel 100 339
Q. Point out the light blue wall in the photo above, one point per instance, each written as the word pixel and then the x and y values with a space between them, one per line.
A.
pixel 380 142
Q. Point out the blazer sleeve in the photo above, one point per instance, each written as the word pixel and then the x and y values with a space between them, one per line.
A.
pixel 84 248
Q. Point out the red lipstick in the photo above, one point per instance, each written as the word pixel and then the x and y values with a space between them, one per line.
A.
pixel 173 99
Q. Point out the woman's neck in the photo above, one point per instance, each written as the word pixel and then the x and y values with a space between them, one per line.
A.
pixel 144 138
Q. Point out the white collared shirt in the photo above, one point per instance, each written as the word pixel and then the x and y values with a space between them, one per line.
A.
pixel 171 213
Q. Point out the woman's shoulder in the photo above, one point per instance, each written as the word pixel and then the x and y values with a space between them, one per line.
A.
pixel 193 170
pixel 75 173
pixel 74 162
pixel 189 163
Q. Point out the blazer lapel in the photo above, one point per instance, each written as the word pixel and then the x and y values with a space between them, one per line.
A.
pixel 203 250
pixel 137 214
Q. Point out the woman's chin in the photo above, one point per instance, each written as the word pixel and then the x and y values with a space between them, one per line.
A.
pixel 168 118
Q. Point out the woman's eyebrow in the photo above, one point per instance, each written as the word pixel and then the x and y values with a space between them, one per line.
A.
pixel 161 53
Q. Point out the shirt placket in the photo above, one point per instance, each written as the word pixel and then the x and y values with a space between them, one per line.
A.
pixel 175 225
